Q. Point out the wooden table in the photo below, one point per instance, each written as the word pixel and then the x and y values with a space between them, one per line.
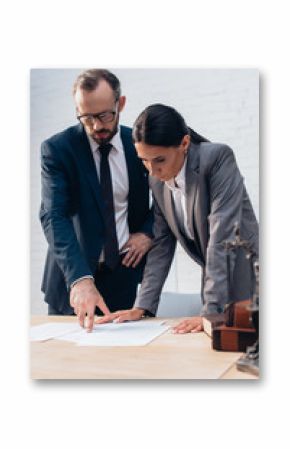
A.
pixel 170 356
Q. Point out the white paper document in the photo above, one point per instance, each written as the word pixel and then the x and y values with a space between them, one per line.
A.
pixel 48 331
pixel 130 333
pixel 133 333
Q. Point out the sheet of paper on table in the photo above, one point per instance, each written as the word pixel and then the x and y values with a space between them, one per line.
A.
pixel 48 331
pixel 133 333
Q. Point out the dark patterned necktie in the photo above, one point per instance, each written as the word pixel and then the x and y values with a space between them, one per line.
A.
pixel 111 247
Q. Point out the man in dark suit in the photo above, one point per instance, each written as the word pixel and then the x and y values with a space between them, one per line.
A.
pixel 95 206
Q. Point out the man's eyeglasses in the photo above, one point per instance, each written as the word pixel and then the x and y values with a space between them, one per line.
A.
pixel 103 117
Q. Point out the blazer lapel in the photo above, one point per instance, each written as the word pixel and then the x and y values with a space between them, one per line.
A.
pixel 130 156
pixel 191 183
pixel 191 180
pixel 170 212
pixel 173 224
pixel 82 151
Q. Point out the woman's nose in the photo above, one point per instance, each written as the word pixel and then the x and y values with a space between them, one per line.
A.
pixel 153 170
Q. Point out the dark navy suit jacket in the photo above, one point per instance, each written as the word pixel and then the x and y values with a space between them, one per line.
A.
pixel 71 210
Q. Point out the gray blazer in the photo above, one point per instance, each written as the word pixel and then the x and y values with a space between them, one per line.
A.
pixel 216 199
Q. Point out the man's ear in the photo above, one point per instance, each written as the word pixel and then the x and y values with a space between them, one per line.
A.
pixel 122 102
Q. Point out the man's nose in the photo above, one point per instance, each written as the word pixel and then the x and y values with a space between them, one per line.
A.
pixel 97 124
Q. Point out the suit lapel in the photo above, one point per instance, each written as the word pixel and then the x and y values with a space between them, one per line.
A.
pixel 173 224
pixel 191 179
pixel 82 151
pixel 170 212
pixel 191 183
pixel 130 156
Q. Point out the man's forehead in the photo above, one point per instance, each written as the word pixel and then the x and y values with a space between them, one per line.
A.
pixel 102 96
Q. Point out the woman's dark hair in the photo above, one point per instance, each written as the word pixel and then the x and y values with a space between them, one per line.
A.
pixel 163 126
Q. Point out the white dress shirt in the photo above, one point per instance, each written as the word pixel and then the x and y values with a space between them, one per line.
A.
pixel 178 190
pixel 120 183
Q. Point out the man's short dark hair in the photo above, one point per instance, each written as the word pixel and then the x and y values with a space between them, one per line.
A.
pixel 90 79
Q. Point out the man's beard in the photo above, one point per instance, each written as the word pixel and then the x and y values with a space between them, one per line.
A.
pixel 109 135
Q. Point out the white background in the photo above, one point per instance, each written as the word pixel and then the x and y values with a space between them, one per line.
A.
pixel 153 414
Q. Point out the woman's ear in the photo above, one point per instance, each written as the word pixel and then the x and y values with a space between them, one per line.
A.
pixel 185 143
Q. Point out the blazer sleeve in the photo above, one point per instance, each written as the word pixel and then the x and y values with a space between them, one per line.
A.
pixel 226 189
pixel 147 226
pixel 158 263
pixel 56 215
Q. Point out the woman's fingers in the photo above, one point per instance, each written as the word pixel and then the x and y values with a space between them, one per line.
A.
pixel 107 318
pixel 189 325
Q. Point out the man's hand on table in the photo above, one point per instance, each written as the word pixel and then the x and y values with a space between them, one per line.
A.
pixel 121 316
pixel 84 297
pixel 193 324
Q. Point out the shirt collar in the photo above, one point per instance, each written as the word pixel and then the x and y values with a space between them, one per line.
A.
pixel 178 183
pixel 116 142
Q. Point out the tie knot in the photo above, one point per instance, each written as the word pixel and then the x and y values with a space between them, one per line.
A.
pixel 105 149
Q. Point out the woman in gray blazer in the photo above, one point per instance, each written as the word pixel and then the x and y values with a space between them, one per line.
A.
pixel 199 196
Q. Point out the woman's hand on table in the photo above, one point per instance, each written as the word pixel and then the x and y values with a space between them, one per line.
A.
pixel 193 324
pixel 121 316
